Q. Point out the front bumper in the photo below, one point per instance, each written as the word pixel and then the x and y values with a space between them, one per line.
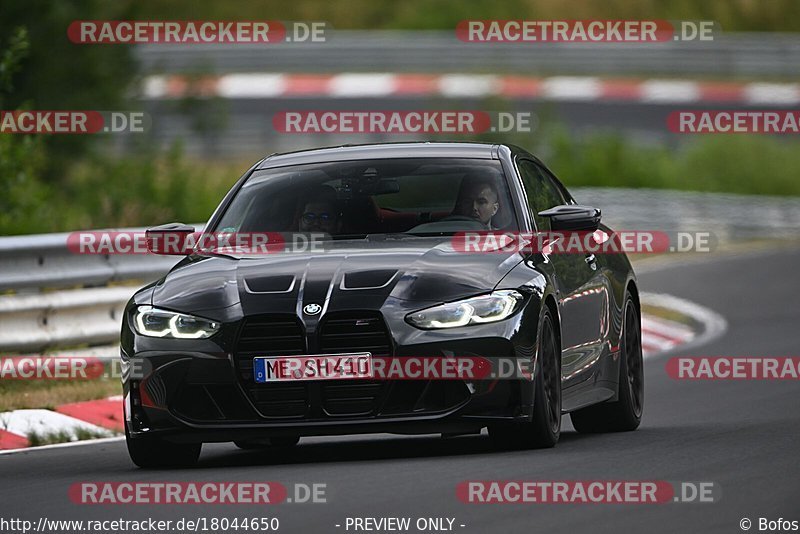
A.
pixel 203 390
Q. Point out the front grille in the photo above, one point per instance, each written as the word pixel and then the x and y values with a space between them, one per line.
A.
pixel 272 335
pixel 266 335
pixel 339 332
pixel 351 397
pixel 354 332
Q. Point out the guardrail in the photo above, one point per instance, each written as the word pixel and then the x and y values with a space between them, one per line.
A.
pixel 36 318
pixel 728 55
pixel 44 261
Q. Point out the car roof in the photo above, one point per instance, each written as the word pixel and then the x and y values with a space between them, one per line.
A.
pixel 381 151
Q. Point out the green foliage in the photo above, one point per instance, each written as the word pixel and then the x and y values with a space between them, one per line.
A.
pixel 746 164
pixel 58 74
pixel 146 187
pixel 733 15
pixel 21 157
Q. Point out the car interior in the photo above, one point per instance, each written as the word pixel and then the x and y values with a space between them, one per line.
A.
pixel 376 199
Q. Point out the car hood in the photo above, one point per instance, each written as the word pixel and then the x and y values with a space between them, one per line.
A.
pixel 345 275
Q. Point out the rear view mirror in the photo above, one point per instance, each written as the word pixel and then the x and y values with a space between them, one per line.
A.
pixel 572 217
pixel 169 239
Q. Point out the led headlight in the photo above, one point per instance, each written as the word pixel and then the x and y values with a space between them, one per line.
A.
pixel 153 322
pixel 489 308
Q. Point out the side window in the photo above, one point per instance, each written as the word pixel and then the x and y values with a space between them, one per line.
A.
pixel 542 192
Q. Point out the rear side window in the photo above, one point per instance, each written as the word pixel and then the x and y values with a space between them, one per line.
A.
pixel 542 191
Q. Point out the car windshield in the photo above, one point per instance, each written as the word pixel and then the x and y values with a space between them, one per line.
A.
pixel 426 196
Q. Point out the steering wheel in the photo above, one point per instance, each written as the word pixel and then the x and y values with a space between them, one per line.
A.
pixel 462 218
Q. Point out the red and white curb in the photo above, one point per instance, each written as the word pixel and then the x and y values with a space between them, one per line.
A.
pixel 381 85
pixel 660 335
pixel 101 417
pixel 105 416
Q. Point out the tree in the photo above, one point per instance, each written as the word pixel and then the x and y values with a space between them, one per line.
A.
pixel 58 74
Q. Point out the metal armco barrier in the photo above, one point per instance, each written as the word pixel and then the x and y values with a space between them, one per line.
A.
pixel 37 322
pixel 729 54
pixel 43 261
pixel 31 320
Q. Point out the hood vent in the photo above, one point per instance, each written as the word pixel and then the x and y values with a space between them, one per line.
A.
pixel 270 284
pixel 375 279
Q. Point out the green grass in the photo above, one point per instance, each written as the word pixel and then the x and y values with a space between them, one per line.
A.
pixel 745 164
pixel 47 394
pixel 739 15
pixel 37 439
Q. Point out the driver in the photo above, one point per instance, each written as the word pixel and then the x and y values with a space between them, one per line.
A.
pixel 479 200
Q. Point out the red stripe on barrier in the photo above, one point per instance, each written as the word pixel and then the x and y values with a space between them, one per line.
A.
pixel 104 412
pixel 621 89
pixel 307 84
pixel 520 86
pixel 722 92
pixel 12 441
pixel 416 84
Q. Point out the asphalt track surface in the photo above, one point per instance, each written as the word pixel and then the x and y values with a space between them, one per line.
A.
pixel 741 435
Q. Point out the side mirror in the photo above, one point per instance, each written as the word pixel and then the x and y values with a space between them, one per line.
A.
pixel 572 217
pixel 169 239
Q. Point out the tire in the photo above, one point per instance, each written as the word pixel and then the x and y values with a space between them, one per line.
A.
pixel 624 414
pixel 151 452
pixel 544 429
pixel 275 442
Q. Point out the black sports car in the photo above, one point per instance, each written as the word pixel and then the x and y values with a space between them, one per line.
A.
pixel 387 281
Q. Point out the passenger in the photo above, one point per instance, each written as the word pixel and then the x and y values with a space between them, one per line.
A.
pixel 320 211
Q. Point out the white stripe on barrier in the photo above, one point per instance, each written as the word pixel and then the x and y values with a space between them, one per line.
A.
pixel 155 87
pixel 253 85
pixel 572 88
pixel 669 91
pixel 356 85
pixel 772 93
pixel 469 86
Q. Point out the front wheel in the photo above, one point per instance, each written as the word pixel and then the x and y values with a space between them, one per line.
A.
pixel 153 452
pixel 544 428
pixel 625 413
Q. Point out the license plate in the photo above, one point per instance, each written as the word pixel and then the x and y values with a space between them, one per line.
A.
pixel 313 367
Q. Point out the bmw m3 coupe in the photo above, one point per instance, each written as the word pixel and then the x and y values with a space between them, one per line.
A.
pixel 364 267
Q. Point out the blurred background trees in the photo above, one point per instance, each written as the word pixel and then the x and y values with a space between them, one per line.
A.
pixel 66 182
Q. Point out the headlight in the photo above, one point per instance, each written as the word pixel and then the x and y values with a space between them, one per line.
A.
pixel 489 308
pixel 152 322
